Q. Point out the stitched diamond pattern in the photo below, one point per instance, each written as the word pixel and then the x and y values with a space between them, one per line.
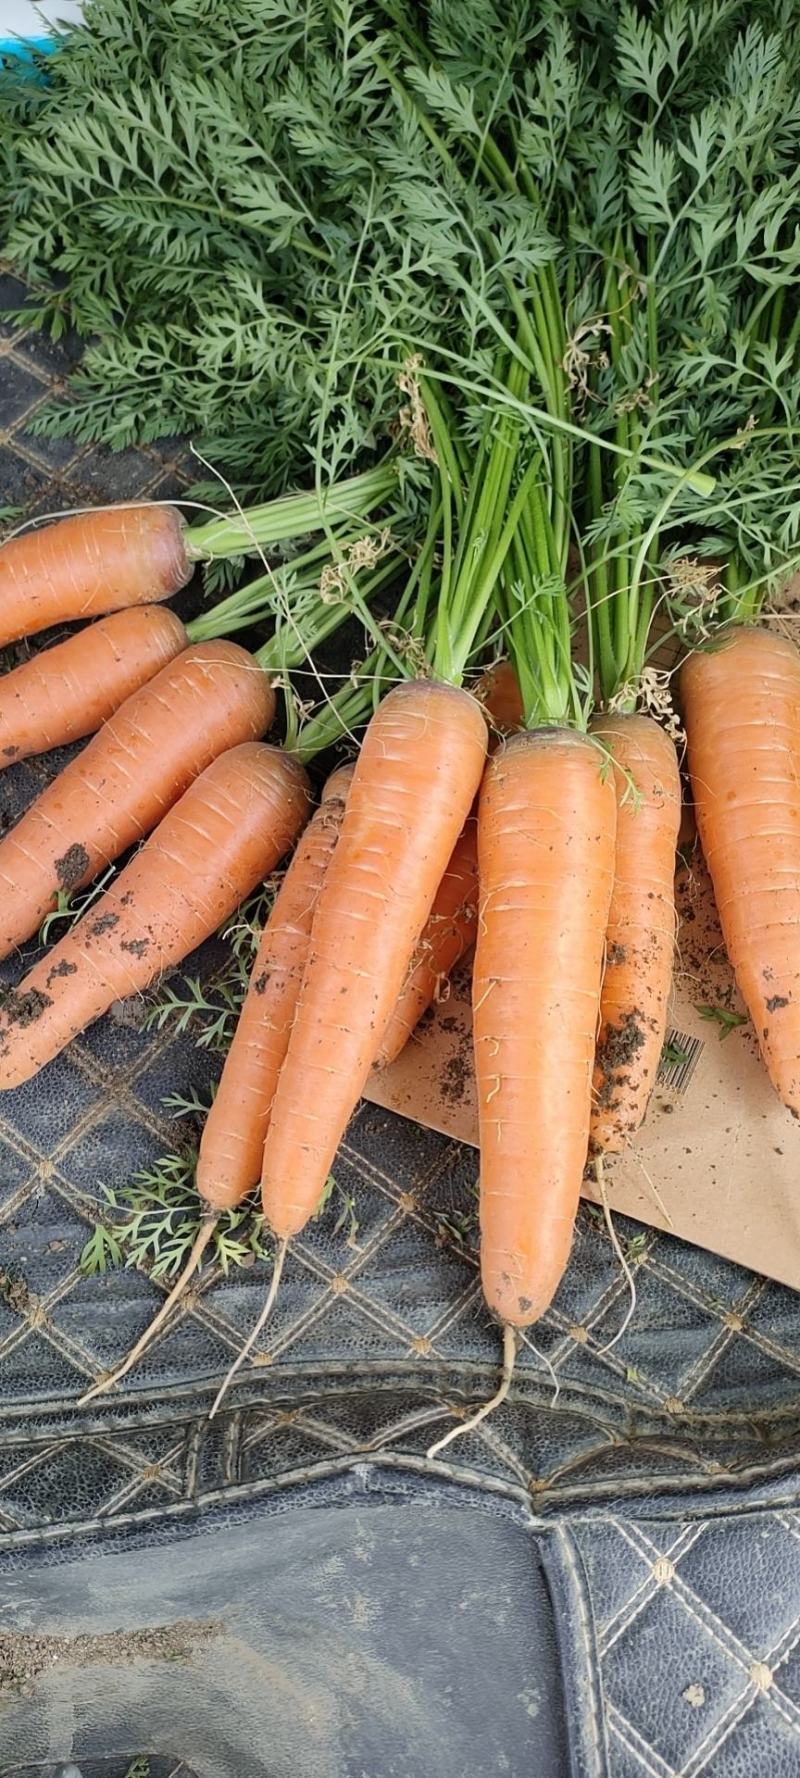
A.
pixel 699 1655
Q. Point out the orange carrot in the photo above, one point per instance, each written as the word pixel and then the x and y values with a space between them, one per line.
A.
pixel 70 690
pixel 225 834
pixel 450 930
pixel 448 934
pixel 89 564
pixel 209 698
pixel 498 690
pixel 640 939
pixel 741 704
pixel 417 773
pixel 232 1146
pixel 546 829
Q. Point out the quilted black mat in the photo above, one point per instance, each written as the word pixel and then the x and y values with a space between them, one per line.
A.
pixel 693 1414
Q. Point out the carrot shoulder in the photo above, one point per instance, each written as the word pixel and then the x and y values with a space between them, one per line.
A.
pixel 546 828
pixel 89 564
pixel 640 940
pixel 741 707
pixel 69 690
pixel 209 698
pixel 498 690
pixel 232 1145
pixel 225 834
pixel 413 786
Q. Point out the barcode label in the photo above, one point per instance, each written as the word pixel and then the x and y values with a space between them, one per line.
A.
pixel 679 1058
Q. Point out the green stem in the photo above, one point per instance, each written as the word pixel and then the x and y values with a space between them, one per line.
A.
pixel 296 639
pixel 694 478
pixel 742 602
pixel 600 590
pixel 490 520
pixel 538 615
pixel 258 599
pixel 293 515
pixel 353 704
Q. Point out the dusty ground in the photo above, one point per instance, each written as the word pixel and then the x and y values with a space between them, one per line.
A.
pixel 24 1658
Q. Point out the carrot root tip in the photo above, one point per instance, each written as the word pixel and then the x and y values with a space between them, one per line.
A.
pixel 495 1401
pixel 199 1246
pixel 280 1256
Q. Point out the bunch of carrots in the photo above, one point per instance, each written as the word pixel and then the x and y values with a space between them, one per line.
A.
pixel 515 811
pixel 513 791
pixel 176 716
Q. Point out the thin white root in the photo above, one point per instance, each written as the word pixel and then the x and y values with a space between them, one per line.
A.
pixel 509 1355
pixel 653 1188
pixel 199 1246
pixel 614 1239
pixel 255 1331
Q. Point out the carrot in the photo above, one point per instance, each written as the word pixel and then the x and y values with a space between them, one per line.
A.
pixel 209 698
pixel 420 765
pixel 70 690
pixel 232 1146
pixel 448 934
pixel 228 830
pixel 498 690
pixel 640 937
pixel 741 705
pixel 112 557
pixel 546 829
pixel 451 928
pixel 416 776
pixel 89 564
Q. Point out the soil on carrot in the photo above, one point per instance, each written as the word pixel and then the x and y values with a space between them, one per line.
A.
pixel 103 923
pixel 615 1053
pixel 62 968
pixel 23 1006
pixel 137 946
pixel 24 1658
pixel 10 752
pixel 72 865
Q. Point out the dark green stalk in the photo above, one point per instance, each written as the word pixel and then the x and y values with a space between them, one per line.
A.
pixel 695 477
pixel 490 516
pixel 537 613
pixel 741 602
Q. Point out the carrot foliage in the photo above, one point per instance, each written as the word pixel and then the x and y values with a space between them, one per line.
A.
pixel 248 205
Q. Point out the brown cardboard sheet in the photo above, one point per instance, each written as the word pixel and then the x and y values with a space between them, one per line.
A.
pixel 718 1159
